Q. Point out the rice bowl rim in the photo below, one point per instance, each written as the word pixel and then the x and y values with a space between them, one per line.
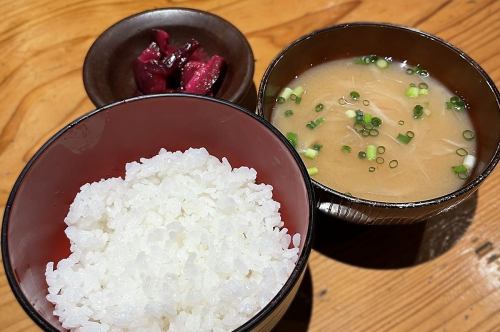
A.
pixel 261 314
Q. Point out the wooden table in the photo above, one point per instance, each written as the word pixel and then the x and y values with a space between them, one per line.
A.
pixel 443 275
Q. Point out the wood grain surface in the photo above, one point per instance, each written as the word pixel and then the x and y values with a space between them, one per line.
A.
pixel 443 275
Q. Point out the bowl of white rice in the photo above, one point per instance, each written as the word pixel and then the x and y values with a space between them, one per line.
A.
pixel 160 213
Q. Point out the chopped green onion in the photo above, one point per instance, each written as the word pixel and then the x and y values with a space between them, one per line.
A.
pixel 418 111
pixel 313 124
pixel 423 92
pixel 423 73
pixel 409 71
pixel 362 155
pixel 463 176
pixel 371 152
pixel 317 147
pixel 401 122
pixel 462 152
pixel 346 148
pixel 311 153
pixel 359 61
pixel 358 127
pixel 410 134
pixel 455 104
pixel 292 138
pixel 376 122
pixel 342 101
pixel 393 163
pixel 412 92
pixel 368 126
pixel 298 100
pixel 284 95
pixel 459 169
pixel 373 132
pixel 367 59
pixel 288 113
pixel 469 161
pixel 382 63
pixel 354 95
pixel 312 171
pixel 297 92
pixel 468 135
pixel 350 114
pixel 379 160
pixel 367 118
pixel 319 107
pixel 371 169
pixel 423 85
pixel 405 139
pixel 381 149
pixel 366 102
pixel 365 133
pixel 359 116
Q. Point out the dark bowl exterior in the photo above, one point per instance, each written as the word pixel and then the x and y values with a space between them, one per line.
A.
pixel 107 70
pixel 99 144
pixel 445 62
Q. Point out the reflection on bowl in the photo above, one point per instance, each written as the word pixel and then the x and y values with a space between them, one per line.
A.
pixel 107 71
pixel 449 65
pixel 99 144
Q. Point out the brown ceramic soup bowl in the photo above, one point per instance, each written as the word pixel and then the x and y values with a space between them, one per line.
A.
pixel 445 62
pixel 99 144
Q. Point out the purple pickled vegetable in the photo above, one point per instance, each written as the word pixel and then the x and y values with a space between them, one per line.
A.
pixel 149 76
pixel 152 52
pixel 162 38
pixel 149 72
pixel 188 71
pixel 179 58
pixel 199 55
pixel 205 77
pixel 162 67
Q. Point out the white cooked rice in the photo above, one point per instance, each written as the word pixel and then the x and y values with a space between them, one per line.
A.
pixel 183 243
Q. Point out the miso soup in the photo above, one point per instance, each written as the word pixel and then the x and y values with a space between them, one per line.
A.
pixel 378 129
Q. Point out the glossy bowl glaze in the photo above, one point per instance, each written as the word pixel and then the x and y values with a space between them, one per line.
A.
pixel 99 144
pixel 445 62
pixel 107 71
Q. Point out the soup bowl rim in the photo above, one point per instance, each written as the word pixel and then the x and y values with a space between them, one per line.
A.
pixel 472 185
pixel 263 313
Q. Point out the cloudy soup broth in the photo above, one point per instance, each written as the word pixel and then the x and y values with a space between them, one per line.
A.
pixel 378 129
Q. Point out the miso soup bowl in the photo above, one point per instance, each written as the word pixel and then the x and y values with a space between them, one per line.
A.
pixel 99 144
pixel 445 62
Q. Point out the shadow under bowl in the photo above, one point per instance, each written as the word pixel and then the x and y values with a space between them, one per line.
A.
pixel 107 70
pixel 449 65
pixel 99 144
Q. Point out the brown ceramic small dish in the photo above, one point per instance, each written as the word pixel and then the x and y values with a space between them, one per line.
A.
pixel 107 71
pixel 99 144
pixel 445 62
